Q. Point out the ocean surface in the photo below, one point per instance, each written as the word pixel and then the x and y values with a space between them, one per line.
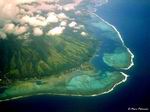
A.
pixel 132 19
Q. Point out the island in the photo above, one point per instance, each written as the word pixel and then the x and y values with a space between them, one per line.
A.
pixel 59 48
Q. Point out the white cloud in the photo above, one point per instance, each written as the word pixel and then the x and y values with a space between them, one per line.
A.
pixel 56 31
pixel 52 18
pixel 84 34
pixel 8 9
pixel 78 12
pixel 33 21
pixel 79 27
pixel 25 1
pixel 63 23
pixel 75 31
pixel 59 7
pixel 50 1
pixel 37 31
pixel 25 19
pixel 42 18
pixel 69 7
pixel 3 35
pixel 20 30
pixel 72 24
pixel 38 23
pixel 62 16
pixel 9 28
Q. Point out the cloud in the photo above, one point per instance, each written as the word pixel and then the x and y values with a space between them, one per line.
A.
pixel 84 34
pixel 62 16
pixel 72 24
pixel 37 31
pixel 9 28
pixel 63 23
pixel 56 31
pixel 42 18
pixel 9 9
pixel 20 30
pixel 71 6
pixel 33 21
pixel 24 1
pixel 3 35
pixel 50 1
pixel 52 18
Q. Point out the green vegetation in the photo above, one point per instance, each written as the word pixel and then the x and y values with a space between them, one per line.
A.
pixel 68 64
pixel 41 56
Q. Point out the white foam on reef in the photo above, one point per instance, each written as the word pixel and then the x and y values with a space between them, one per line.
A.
pixel 126 76
pixel 56 94
pixel 119 35
pixel 131 63
pixel 124 80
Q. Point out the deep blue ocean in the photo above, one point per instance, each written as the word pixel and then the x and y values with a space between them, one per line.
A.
pixel 132 19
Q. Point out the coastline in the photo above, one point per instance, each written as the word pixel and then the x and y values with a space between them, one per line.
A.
pixel 120 37
pixel 110 90
pixel 125 75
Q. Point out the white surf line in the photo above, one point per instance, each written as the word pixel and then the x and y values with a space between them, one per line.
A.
pixel 74 95
pixel 132 62
pixel 126 76
pixel 110 90
pixel 124 80
pixel 132 56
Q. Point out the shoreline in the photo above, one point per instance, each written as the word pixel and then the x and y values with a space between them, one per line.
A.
pixel 94 95
pixel 120 37
pixel 111 89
